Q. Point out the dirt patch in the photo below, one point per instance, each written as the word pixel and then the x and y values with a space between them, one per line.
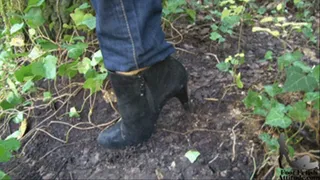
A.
pixel 210 128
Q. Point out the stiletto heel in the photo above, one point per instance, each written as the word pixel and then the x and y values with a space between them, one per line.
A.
pixel 182 95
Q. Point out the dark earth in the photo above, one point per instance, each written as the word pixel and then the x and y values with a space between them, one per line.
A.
pixel 207 128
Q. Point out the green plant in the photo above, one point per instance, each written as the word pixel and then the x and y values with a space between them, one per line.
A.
pixel 6 148
pixel 291 104
pixel 229 17
pixel 174 8
pixel 301 80
pixel 296 80
pixel 35 49
pixel 231 65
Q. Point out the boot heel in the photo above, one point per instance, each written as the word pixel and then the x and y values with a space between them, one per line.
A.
pixel 182 95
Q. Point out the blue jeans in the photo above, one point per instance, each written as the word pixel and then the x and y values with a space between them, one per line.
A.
pixel 130 33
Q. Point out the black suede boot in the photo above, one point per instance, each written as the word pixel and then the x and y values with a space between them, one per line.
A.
pixel 140 100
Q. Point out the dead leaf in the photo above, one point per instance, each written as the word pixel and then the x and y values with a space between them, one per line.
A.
pixel 310 54
pixel 211 99
pixel 159 174
pixel 17 42
pixel 109 96
pixel 236 112
pixel 22 128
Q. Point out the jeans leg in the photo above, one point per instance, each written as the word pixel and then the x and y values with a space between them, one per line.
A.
pixel 130 33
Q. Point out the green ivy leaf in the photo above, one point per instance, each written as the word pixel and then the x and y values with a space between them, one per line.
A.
pixel 50 66
pixel 11 144
pixel 223 66
pixel 268 55
pixel 14 135
pixel 75 51
pixel 27 86
pixel 74 113
pixel 299 112
pixel 305 68
pixel 16 27
pixel 6 105
pixel 215 36
pixel 314 98
pixel 80 18
pixel 192 14
pixel 276 118
pixel 316 73
pixel 230 21
pixel 262 10
pixel 45 68
pixel 69 69
pixel 91 73
pixel 5 155
pixel 238 81
pixel 260 111
pixel 273 90
pixel 84 65
pixel 6 147
pixel 24 72
pixel 90 21
pixel 316 105
pixel 47 45
pixel 271 143
pixel 38 69
pixel 12 86
pixel 225 13
pixel 47 96
pixel 34 17
pixel 95 83
pixel 19 118
pixel 13 99
pixel 84 6
pixel 281 107
pixel 34 3
pixel 192 155
pixel 4 176
pixel 297 80
pixel 289 58
pixel 96 58
pixel 311 96
pixel 291 151
pixel 253 99
pixel 35 53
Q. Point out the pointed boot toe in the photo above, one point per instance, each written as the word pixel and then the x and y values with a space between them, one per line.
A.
pixel 111 138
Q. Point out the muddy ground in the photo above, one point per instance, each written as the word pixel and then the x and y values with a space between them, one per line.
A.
pixel 208 128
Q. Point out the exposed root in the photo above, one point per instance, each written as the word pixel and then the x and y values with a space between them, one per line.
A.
pixel 178 32
pixel 49 117
pixel 254 162
pixel 234 137
pixel 269 171
pixel 52 136
pixel 184 50
pixel 192 131
pixel 48 153
pixel 214 55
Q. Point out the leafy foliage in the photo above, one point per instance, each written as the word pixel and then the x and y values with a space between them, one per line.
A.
pixel 174 8
pixel 33 51
pixel 230 65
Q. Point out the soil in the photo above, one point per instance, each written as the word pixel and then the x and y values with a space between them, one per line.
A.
pixel 208 128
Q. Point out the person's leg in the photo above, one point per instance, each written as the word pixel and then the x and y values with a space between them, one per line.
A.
pixel 142 74
pixel 130 34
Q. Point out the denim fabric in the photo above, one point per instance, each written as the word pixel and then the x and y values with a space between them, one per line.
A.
pixel 130 33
